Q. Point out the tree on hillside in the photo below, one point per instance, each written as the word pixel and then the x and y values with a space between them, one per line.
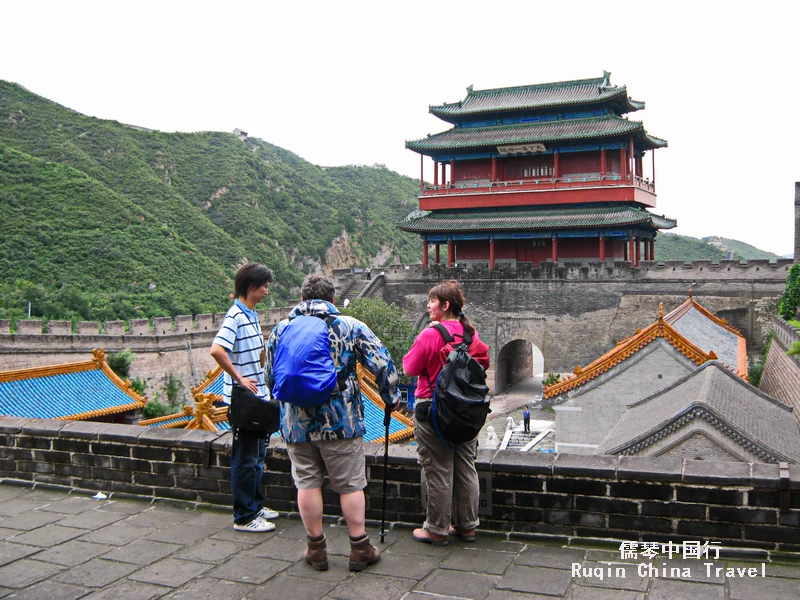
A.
pixel 387 322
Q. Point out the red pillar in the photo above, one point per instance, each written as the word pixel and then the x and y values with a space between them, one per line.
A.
pixel 632 159
pixel 450 253
pixel 444 181
pixel 556 166
pixel 436 257
pixel 638 251
pixel 491 253
pixel 630 256
pixel 623 167
pixel 603 162
pixel 452 172
pixel 555 249
pixel 494 168
pixel 424 254
pixel 653 249
pixel 602 248
pixel 435 173
pixel 624 251
pixel 646 249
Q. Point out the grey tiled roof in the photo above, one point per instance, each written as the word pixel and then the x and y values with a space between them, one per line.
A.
pixel 739 411
pixel 708 335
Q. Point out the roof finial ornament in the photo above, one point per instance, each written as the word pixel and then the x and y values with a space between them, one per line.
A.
pixel 660 311
pixel 469 89
pixel 690 293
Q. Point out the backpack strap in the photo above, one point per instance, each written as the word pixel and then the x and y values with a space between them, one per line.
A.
pixel 341 374
pixel 443 332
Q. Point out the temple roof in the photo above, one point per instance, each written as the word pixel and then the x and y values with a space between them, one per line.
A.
pixel 736 409
pixel 533 220
pixel 580 92
pixel 627 348
pixel 706 330
pixel 594 128
pixel 74 391
pixel 204 416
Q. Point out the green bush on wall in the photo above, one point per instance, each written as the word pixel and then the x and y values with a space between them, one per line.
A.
pixel 790 299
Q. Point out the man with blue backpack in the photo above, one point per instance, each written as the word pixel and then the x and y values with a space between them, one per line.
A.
pixel 311 370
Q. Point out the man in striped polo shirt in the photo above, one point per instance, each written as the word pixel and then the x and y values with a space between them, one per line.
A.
pixel 239 350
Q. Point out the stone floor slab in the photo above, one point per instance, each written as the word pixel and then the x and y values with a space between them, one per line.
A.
pixel 129 590
pixel 92 519
pixel 73 553
pixel 51 590
pixel 170 572
pixel 536 580
pixel 459 584
pixel 118 534
pixel 482 561
pixel 405 565
pixel 274 546
pixel 288 587
pixel 25 572
pixel 604 575
pixel 246 569
pixel 367 585
pixel 746 588
pixel 229 534
pixel 6 533
pixel 9 551
pixel 215 551
pixel 692 569
pixel 71 506
pixel 336 572
pixel 48 536
pixel 672 589
pixel 126 507
pixel 29 520
pixel 590 593
pixel 178 534
pixel 96 573
pixel 160 516
pixel 554 557
pixel 213 589
pixel 142 552
pixel 407 545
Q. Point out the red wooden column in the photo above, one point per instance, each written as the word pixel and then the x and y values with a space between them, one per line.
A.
pixel 556 166
pixel 653 249
pixel 424 254
pixel 632 159
pixel 450 253
pixel 444 181
pixel 602 248
pixel 638 251
pixel 435 174
pixel 494 168
pixel 555 249
pixel 491 253
pixel 623 167
pixel 646 249
pixel 630 256
pixel 624 251
pixel 421 174
pixel 452 172
pixel 603 165
pixel 436 256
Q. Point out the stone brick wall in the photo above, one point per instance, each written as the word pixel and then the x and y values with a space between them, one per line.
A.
pixel 625 498
pixel 781 376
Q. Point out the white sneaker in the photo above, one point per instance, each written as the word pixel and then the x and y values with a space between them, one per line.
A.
pixel 268 513
pixel 257 525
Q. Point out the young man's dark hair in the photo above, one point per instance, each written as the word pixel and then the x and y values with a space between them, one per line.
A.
pixel 318 287
pixel 249 276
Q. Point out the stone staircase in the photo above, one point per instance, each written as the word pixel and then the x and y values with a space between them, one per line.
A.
pixel 354 291
pixel 519 440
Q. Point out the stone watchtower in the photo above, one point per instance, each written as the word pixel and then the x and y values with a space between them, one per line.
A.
pixel 797 222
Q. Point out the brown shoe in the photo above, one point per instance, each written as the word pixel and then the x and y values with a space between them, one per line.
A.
pixel 362 554
pixel 317 553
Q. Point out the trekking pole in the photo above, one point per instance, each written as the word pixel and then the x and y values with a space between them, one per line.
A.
pixel 387 418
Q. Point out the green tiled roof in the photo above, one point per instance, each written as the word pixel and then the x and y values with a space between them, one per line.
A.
pixel 530 97
pixel 552 131
pixel 532 220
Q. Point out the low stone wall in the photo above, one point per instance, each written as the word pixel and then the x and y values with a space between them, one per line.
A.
pixel 781 376
pixel 623 498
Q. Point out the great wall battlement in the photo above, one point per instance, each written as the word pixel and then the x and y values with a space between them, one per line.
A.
pixel 571 311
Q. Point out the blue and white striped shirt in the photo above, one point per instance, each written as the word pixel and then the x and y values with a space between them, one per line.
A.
pixel 241 336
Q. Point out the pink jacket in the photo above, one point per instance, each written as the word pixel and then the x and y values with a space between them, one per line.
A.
pixel 423 357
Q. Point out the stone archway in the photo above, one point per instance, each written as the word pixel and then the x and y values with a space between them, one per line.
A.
pixel 518 360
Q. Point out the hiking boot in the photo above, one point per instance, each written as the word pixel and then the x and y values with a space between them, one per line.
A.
pixel 316 553
pixel 362 553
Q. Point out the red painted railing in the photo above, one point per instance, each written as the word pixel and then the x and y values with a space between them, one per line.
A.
pixel 542 183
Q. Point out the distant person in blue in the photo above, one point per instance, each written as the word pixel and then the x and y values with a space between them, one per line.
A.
pixel 526 419
pixel 328 438
pixel 239 350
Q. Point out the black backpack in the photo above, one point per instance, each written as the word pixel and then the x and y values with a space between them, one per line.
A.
pixel 460 398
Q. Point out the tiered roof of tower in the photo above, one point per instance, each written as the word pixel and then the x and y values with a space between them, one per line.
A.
pixel 73 391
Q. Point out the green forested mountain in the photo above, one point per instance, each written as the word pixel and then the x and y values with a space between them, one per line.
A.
pixel 104 221
pixel 670 246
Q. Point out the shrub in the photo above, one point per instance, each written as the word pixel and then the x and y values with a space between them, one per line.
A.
pixel 552 378
pixel 121 362
pixel 790 299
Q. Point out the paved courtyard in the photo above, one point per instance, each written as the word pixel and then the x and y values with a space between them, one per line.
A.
pixel 57 546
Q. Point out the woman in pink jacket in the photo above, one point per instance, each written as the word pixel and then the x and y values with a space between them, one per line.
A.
pixel 452 510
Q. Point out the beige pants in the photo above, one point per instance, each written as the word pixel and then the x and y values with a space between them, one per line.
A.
pixel 452 481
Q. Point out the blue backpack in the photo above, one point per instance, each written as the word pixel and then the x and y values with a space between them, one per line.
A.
pixel 303 369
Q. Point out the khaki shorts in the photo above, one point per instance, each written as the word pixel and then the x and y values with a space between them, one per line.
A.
pixel 342 460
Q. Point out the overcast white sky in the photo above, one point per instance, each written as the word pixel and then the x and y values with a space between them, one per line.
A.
pixel 349 82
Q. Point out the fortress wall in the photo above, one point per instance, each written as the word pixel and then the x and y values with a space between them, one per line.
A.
pixel 524 494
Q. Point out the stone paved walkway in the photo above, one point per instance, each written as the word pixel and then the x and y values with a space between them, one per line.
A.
pixel 59 546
